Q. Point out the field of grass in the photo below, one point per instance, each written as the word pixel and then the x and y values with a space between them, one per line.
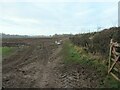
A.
pixel 4 51
pixel 75 54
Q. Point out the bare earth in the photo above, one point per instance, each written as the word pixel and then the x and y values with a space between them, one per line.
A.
pixel 40 66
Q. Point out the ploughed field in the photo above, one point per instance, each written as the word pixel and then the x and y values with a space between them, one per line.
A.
pixel 38 63
pixel 24 66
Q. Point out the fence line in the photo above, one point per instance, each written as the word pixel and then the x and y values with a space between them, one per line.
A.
pixel 114 60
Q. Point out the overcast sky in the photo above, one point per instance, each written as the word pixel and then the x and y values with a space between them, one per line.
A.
pixel 43 17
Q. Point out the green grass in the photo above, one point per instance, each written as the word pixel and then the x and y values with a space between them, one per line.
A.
pixel 75 54
pixel 5 51
pixel 70 55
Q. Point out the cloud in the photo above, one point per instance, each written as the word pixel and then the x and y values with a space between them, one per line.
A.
pixel 83 12
pixel 50 18
pixel 59 1
pixel 21 20
pixel 109 16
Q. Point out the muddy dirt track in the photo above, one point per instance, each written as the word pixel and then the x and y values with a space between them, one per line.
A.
pixel 40 65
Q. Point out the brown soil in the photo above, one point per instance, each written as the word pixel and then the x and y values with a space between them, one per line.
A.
pixel 40 66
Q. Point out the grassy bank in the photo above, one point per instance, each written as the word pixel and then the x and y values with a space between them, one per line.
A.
pixel 5 51
pixel 75 54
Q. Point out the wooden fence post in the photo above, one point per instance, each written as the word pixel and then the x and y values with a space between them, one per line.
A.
pixel 110 53
pixel 115 60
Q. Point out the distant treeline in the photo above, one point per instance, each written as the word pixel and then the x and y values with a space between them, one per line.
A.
pixel 97 42
pixel 2 35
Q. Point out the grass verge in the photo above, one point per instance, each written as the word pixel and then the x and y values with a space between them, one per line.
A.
pixel 75 54
pixel 5 51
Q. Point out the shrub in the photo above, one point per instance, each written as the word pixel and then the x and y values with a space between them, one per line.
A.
pixel 97 42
